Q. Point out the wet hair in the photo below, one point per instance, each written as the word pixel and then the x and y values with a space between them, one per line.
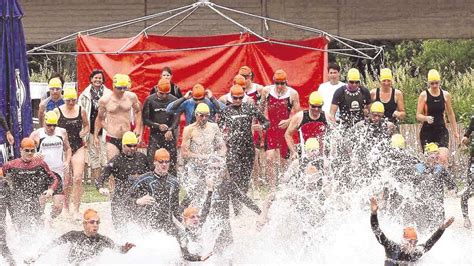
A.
pixel 167 69
pixel 57 75
pixel 95 72
pixel 334 66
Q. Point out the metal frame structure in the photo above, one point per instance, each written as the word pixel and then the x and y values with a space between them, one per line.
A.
pixel 351 48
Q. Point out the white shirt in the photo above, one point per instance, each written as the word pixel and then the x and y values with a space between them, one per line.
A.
pixel 327 90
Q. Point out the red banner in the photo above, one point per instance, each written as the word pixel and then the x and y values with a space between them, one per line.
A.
pixel 214 67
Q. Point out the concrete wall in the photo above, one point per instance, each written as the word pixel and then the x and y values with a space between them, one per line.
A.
pixel 46 20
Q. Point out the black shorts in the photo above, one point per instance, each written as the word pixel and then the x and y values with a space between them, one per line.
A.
pixel 436 134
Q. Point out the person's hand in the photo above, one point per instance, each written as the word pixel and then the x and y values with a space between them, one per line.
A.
pixel 467 223
pixel 104 191
pixel 48 193
pixel 127 246
pixel 373 205
pixel 10 138
pixel 203 258
pixel 284 123
pixel 39 155
pixel 396 114
pixel 145 200
pixel 208 93
pixel 83 133
pixel 465 140
pixel 293 155
pixel 429 119
pixel 96 141
pixel 31 259
pixel 163 127
pixel 188 95
pixel 168 135
pixel 447 223
pixel 257 127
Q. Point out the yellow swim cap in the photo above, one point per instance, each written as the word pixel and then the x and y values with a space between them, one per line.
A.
pixel 385 74
pixel 70 93
pixel 55 83
pixel 431 147
pixel 129 138
pixel 315 98
pixel 122 80
pixel 398 141
pixel 353 75
pixel 202 108
pixel 311 144
pixel 433 75
pixel 377 107
pixel 51 118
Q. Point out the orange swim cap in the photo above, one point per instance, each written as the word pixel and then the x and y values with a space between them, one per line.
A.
pixel 279 75
pixel 162 155
pixel 190 211
pixel 237 90
pixel 89 213
pixel 410 233
pixel 28 143
pixel 198 91
pixel 245 71
pixel 239 80
pixel 164 85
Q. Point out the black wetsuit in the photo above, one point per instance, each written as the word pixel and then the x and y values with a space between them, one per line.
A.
pixel 165 191
pixel 470 174
pixel 125 170
pixel 186 235
pixel 351 104
pixel 83 247
pixel 5 203
pixel 437 131
pixel 395 255
pixel 175 91
pixel 73 126
pixel 154 113
pixel 240 154
pixel 28 180
pixel 389 107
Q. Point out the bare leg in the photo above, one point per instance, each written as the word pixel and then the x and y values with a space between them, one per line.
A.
pixel 272 167
pixel 78 174
pixel 57 206
pixel 444 156
pixel 112 151
pixel 67 186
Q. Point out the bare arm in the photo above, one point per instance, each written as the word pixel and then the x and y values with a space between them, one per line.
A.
pixel 332 113
pixel 420 108
pixel 296 103
pixel 99 121
pixel 85 124
pixel 186 142
pixel 373 94
pixel 400 112
pixel 451 116
pixel 138 115
pixel 292 127
pixel 67 148
pixel 41 111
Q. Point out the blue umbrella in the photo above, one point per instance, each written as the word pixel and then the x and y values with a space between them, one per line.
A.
pixel 15 101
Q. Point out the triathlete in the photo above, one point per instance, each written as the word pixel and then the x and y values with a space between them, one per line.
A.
pixel 155 196
pixel 162 124
pixel 227 98
pixel 310 123
pixel 391 98
pixel 55 86
pixel 352 100
pixel 375 127
pixel 166 73
pixel 86 244
pixel 125 167
pixel 189 102
pixel 74 120
pixel 96 156
pixel 281 102
pixel 432 105
pixel 469 190
pixel 115 115
pixel 409 251
pixel 5 203
pixel 53 147
pixel 237 122
pixel 201 140
pixel 29 177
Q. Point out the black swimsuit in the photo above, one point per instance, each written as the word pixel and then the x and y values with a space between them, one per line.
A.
pixel 73 126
